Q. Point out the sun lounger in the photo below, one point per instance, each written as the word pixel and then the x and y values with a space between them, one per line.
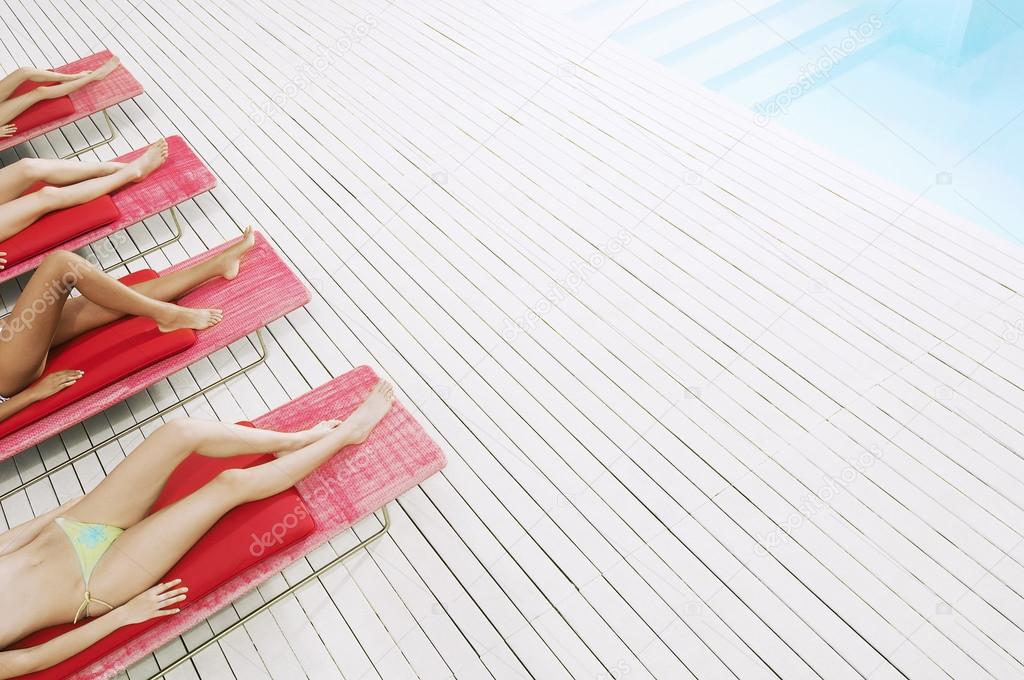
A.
pixel 182 176
pixel 265 290
pixel 255 541
pixel 97 97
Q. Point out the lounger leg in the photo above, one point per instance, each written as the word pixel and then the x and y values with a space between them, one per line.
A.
pixel 142 423
pixel 385 519
pixel 175 237
pixel 111 136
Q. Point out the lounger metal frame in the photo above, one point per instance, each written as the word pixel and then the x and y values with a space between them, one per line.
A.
pixel 145 421
pixel 385 519
pixel 110 136
pixel 175 237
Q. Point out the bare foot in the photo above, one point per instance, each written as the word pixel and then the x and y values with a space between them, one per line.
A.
pixel 177 317
pixel 230 259
pixel 149 161
pixel 8 130
pixel 105 70
pixel 359 425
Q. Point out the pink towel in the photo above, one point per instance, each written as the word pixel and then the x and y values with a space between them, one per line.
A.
pixel 397 456
pixel 119 86
pixel 264 290
pixel 182 176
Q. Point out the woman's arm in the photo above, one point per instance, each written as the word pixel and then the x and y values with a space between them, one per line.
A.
pixel 19 402
pixel 22 535
pixel 24 661
pixel 51 384
pixel 143 607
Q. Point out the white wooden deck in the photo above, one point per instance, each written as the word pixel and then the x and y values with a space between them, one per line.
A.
pixel 717 405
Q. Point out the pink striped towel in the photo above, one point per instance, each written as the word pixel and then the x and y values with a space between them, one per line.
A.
pixel 118 87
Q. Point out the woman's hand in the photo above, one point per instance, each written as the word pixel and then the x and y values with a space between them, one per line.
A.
pixel 8 130
pixel 3 255
pixel 53 383
pixel 152 603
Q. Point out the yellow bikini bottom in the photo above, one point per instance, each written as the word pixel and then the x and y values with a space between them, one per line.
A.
pixel 90 542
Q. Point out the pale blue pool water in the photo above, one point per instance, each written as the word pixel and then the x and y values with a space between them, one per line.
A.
pixel 927 93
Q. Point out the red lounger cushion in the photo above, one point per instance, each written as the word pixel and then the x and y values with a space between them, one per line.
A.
pixel 43 112
pixel 58 227
pixel 242 538
pixel 107 355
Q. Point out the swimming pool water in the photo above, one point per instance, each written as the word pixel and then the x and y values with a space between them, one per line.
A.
pixel 926 93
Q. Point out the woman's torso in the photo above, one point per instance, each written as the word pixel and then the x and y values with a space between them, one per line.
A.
pixel 41 582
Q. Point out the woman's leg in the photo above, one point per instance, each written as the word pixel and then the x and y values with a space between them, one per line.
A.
pixel 123 497
pixel 105 291
pixel 9 108
pixel 146 551
pixel 21 212
pixel 81 315
pixel 17 177
pixel 11 81
pixel 26 335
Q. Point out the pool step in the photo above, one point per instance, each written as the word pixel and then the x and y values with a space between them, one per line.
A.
pixel 689 23
pixel 778 70
pixel 777 29
pixel 607 17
